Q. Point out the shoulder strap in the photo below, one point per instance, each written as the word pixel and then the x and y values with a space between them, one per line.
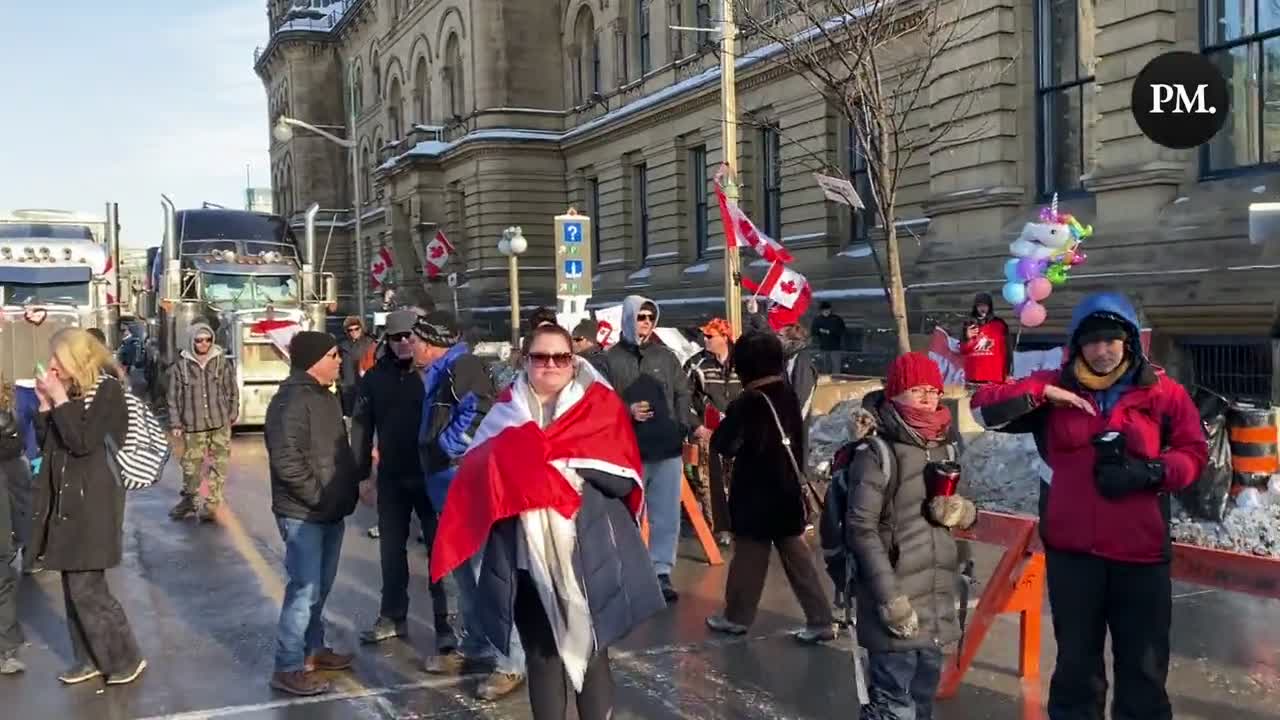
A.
pixel 786 440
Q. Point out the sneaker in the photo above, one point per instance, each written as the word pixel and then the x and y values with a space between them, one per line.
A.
pixel 385 629
pixel 447 663
pixel 79 674
pixel 668 590
pixel 374 532
pixel 207 513
pixel 498 685
pixel 722 624
pixel 185 508
pixel 724 539
pixel 327 660
pixel 128 676
pixel 11 665
pixel 299 682
pixel 814 635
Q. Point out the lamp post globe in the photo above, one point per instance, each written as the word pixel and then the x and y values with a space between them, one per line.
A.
pixel 504 246
pixel 282 131
pixel 518 242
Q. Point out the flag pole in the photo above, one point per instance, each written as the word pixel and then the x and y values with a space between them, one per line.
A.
pixel 756 294
pixel 729 136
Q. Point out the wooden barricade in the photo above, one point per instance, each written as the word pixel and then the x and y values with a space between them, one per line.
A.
pixel 689 502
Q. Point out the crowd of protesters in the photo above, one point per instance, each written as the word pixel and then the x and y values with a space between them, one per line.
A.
pixel 548 564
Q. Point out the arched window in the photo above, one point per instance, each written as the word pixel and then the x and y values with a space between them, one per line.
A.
pixel 453 76
pixel 357 89
pixel 395 111
pixel 422 92
pixel 377 80
pixel 586 57
pixel 366 174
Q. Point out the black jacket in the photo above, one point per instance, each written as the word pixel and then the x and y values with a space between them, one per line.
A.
pixel 389 405
pixel 767 502
pixel 828 330
pixel 651 372
pixel 899 551
pixel 313 473
pixel 78 506
pixel 467 375
pixel 595 355
pixel 10 436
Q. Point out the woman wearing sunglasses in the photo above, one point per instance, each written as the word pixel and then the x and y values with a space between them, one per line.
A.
pixel 550 492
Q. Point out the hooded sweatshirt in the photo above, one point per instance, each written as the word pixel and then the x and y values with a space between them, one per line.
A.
pixel 648 371
pixel 988 356
pixel 203 393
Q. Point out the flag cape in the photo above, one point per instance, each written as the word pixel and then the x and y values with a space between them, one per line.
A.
pixel 279 332
pixel 508 469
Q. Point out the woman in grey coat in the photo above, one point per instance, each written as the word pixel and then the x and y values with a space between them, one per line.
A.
pixel 900 532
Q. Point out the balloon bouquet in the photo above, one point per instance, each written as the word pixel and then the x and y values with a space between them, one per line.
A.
pixel 1042 256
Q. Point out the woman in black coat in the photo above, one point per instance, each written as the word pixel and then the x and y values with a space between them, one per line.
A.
pixel 78 509
pixel 767 506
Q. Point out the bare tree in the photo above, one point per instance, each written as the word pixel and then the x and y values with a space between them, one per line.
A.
pixel 875 62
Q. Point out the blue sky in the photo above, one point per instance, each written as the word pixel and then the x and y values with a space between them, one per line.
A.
pixel 123 101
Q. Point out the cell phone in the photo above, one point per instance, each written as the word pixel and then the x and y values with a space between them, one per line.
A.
pixel 39 369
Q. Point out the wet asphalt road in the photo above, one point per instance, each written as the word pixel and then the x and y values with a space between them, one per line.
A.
pixel 203 601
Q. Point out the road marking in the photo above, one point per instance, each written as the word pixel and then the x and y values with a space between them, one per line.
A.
pixel 1194 593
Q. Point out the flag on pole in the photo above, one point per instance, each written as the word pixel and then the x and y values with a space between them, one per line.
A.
pixel 788 291
pixel 739 231
pixel 380 268
pixel 438 251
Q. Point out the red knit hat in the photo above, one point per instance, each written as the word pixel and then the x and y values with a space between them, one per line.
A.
pixel 912 370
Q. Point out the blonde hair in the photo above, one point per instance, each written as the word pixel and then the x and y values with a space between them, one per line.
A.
pixel 82 357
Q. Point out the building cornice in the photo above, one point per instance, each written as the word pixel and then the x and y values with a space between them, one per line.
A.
pixel 974 199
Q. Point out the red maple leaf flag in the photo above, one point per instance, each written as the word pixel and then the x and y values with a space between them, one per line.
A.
pixel 438 252
pixel 382 264
pixel 788 291
pixel 739 231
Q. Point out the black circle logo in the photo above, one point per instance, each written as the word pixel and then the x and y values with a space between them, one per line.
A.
pixel 1180 100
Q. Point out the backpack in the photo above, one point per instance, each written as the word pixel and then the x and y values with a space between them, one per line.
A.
pixel 138 462
pixel 839 557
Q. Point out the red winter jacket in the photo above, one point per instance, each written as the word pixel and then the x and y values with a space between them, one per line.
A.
pixel 987 356
pixel 1159 422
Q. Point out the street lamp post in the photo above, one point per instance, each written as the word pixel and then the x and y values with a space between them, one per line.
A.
pixel 283 131
pixel 513 246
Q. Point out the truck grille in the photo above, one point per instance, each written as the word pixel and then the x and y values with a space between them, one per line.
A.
pixel 23 344
pixel 262 362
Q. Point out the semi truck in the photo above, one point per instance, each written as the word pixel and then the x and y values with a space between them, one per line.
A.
pixel 244 274
pixel 57 270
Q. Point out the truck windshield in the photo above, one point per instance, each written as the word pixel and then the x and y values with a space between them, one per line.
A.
pixel 52 293
pixel 245 292
pixel 45 231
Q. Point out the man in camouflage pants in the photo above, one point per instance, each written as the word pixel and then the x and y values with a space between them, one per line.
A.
pixel 204 402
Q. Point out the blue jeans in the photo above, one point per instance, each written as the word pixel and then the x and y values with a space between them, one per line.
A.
pixel 474 644
pixel 311 553
pixel 662 482
pixel 903 685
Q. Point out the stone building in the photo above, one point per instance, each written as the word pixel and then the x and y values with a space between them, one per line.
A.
pixel 472 115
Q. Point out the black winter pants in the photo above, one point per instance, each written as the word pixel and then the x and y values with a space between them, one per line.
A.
pixel 548 683
pixel 1089 597
pixel 10 631
pixel 398 500
pixel 100 632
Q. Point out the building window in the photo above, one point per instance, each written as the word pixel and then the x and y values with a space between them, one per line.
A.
pixel 367 176
pixel 702 18
pixel 453 76
pixel 395 111
pixel 593 207
pixel 621 61
pixel 357 90
pixel 858 171
pixel 1243 40
pixel 1065 90
pixel 422 92
pixel 771 181
pixel 1237 368
pixel 675 18
pixel 595 64
pixel 642 36
pixel 640 201
pixel 698 186
pixel 585 61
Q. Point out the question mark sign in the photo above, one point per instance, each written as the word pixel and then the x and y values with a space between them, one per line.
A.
pixel 574 230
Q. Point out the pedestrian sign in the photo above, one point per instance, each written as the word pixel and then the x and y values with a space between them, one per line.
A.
pixel 573 254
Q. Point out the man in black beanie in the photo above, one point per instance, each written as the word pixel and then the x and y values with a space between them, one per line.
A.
pixel 313 489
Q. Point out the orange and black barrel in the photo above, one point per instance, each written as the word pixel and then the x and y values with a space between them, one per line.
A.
pixel 1255 447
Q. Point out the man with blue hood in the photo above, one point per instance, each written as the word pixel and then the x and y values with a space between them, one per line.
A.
pixel 457 393
pixel 651 380
pixel 1120 436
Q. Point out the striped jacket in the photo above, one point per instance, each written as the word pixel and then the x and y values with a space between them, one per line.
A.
pixel 203 398
pixel 711 383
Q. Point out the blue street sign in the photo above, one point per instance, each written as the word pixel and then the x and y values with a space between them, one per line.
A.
pixel 573 269
pixel 572 233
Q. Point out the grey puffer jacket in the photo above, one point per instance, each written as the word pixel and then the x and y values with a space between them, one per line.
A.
pixel 898 549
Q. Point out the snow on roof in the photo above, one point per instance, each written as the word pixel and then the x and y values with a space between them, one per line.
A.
pixel 315 17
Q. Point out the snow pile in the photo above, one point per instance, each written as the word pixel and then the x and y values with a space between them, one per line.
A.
pixel 1002 472
pixel 827 433
pixel 1252 524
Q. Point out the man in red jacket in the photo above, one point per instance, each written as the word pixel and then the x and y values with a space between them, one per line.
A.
pixel 1119 436
pixel 988 354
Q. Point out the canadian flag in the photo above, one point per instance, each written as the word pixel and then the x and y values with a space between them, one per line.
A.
pixel 381 266
pixel 789 292
pixel 109 274
pixel 438 252
pixel 944 350
pixel 279 332
pixel 739 230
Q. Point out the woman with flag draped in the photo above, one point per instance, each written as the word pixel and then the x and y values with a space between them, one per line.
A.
pixel 549 498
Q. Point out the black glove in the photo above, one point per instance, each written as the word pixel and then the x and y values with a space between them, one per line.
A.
pixel 1117 473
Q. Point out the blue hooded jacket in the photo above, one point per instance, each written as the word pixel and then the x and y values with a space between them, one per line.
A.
pixel 1116 306
pixel 454 439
